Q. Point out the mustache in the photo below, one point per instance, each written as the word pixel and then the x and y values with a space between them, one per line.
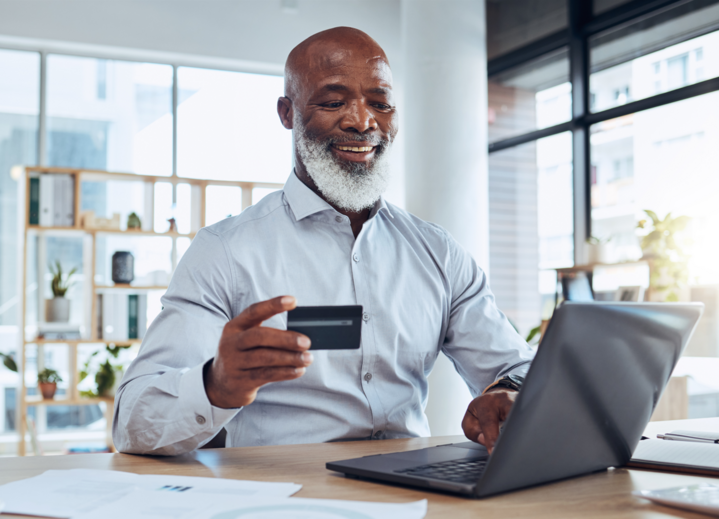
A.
pixel 371 138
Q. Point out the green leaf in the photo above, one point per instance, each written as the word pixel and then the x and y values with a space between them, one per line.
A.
pixel 534 332
pixel 653 216
pixel 9 362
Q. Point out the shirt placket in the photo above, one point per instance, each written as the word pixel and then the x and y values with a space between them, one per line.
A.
pixel 370 380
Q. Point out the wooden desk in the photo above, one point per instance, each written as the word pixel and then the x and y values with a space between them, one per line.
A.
pixel 605 494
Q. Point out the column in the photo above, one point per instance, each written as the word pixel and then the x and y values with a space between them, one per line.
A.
pixel 444 122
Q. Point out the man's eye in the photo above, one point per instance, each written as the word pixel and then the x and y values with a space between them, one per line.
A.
pixel 381 106
pixel 333 105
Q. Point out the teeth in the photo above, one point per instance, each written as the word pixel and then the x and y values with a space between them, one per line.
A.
pixel 350 148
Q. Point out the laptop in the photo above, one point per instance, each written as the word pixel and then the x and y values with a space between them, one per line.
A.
pixel 585 402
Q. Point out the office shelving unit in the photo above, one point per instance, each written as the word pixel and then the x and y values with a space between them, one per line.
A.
pixel 90 288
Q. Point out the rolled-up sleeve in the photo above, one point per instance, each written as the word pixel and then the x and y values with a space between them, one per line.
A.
pixel 161 406
pixel 480 340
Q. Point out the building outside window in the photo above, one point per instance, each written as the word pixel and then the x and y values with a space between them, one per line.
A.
pixel 646 137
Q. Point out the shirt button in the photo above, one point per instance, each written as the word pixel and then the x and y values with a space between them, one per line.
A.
pixel 200 419
pixel 368 376
pixel 356 257
pixel 365 317
pixel 338 219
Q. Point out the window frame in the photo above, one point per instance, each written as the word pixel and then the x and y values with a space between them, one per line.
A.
pixel 582 25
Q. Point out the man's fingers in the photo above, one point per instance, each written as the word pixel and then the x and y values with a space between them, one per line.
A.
pixel 255 314
pixel 470 426
pixel 271 338
pixel 489 425
pixel 270 357
pixel 262 376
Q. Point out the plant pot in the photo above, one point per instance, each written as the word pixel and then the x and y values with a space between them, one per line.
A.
pixel 47 389
pixel 57 310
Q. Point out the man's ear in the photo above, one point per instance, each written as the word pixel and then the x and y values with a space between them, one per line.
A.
pixel 284 110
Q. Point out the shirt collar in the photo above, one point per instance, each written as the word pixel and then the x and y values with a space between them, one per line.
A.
pixel 305 202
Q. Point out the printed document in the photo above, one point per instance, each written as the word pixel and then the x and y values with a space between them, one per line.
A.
pixel 163 505
pixel 71 493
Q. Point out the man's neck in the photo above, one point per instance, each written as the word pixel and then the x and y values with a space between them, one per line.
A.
pixel 357 219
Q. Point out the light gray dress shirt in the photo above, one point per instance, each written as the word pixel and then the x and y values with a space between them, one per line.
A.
pixel 421 294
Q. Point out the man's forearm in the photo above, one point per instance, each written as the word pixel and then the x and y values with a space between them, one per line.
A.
pixel 165 413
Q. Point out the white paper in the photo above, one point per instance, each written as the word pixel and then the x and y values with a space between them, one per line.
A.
pixel 165 505
pixel 69 493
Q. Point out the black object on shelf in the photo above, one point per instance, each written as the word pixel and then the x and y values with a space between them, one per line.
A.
pixel 123 267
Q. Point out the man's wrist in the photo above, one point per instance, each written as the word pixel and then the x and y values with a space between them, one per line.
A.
pixel 512 382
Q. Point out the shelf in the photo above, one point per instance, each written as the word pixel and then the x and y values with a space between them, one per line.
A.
pixel 83 341
pixel 39 228
pixel 141 233
pixel 38 400
pixel 124 288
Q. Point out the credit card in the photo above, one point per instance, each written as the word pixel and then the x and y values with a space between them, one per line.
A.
pixel 328 327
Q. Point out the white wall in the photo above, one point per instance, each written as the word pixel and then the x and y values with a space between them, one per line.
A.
pixel 255 30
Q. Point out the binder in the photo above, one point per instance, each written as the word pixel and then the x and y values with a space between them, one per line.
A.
pixel 34 216
pixel 132 316
pixel 46 200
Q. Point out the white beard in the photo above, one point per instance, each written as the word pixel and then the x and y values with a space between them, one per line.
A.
pixel 347 186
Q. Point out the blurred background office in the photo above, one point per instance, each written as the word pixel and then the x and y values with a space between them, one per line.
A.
pixel 571 145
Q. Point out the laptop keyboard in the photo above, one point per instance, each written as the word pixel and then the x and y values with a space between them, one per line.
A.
pixel 458 471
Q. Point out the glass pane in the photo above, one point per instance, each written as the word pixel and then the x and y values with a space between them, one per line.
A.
pixel 19 108
pixel 601 6
pixel 530 226
pixel 106 198
pixel 514 23
pixel 533 96
pixel 652 55
pixel 663 160
pixel 106 114
pixel 222 202
pixel 228 129
pixel 152 258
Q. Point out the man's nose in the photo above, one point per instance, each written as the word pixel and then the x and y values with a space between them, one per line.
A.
pixel 358 117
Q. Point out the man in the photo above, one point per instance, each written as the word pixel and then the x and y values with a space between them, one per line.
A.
pixel 219 354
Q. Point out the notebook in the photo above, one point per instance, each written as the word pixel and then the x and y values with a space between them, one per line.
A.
pixel 677 456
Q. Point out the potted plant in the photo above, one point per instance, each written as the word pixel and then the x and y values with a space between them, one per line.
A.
pixel 663 249
pixel 47 381
pixel 57 309
pixel 108 374
pixel 599 251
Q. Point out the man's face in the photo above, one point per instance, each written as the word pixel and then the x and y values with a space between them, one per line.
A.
pixel 345 121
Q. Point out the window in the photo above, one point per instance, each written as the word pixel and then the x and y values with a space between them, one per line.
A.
pixel 110 115
pixel 19 110
pixel 643 163
pixel 228 127
pixel 652 55
pixel 532 96
pixel 118 115
pixel 641 134
pixel 530 208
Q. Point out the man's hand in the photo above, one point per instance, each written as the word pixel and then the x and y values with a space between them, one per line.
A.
pixel 250 356
pixel 486 413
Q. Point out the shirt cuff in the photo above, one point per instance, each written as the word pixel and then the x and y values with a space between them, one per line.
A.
pixel 204 414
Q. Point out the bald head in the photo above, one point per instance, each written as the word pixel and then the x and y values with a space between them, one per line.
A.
pixel 326 50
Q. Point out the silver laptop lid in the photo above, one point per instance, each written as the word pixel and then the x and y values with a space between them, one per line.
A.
pixel 591 390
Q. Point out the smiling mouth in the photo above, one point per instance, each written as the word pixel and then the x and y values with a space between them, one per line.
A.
pixel 355 149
